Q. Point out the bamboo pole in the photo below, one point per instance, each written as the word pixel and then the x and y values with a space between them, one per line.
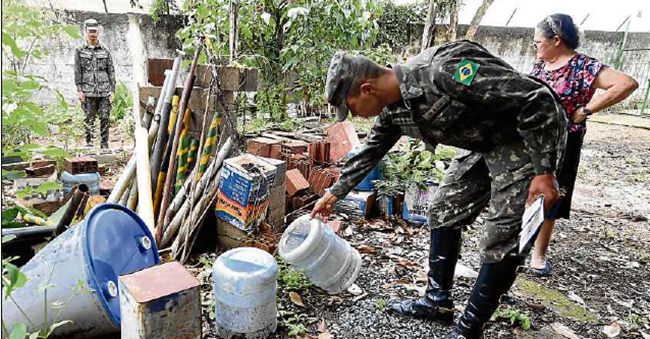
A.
pixel 171 174
pixel 163 135
pixel 209 177
pixel 129 170
pixel 77 193
pixel 162 173
pixel 145 203
pixel 132 199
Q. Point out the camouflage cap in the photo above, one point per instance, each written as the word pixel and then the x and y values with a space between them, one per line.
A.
pixel 91 24
pixel 340 75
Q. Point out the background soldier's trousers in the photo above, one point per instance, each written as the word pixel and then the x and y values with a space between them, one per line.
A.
pixel 93 107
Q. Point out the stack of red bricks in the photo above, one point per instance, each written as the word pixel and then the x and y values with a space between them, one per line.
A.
pixel 323 178
pixel 309 167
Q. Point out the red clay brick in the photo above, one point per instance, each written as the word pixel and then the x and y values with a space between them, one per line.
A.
pixel 295 182
pixel 264 147
pixel 342 138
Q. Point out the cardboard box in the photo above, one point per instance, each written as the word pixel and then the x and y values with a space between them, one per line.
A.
pixel 244 217
pixel 246 179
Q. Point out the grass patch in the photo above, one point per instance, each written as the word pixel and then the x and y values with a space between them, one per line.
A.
pixel 556 301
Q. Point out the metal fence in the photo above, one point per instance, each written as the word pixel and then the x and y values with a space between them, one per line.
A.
pixel 636 63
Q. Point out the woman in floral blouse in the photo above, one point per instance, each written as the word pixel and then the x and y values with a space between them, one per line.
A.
pixel 574 77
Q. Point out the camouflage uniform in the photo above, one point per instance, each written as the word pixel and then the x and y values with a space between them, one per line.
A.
pixel 95 76
pixel 510 123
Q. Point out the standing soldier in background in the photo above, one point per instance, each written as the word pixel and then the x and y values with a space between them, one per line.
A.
pixel 94 77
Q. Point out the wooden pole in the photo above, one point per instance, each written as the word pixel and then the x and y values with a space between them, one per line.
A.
pixel 233 9
pixel 511 16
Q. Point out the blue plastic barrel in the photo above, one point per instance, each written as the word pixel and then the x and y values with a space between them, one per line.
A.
pixel 68 181
pixel 81 267
pixel 375 174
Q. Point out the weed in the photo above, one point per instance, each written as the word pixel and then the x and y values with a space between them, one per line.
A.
pixel 635 320
pixel 293 322
pixel 257 125
pixel 296 329
pixel 289 279
pixel 516 317
pixel 380 304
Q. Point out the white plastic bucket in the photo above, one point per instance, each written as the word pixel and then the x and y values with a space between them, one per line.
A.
pixel 244 285
pixel 81 266
pixel 327 260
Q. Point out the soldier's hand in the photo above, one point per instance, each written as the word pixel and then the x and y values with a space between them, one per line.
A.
pixel 81 96
pixel 323 207
pixel 546 185
pixel 111 97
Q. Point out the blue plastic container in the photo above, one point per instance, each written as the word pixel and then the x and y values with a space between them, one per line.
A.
pixel 82 266
pixel 68 181
pixel 375 174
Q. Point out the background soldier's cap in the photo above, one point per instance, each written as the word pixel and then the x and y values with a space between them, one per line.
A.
pixel 91 24
pixel 340 75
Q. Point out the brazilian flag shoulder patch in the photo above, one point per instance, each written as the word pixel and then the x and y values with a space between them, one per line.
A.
pixel 465 72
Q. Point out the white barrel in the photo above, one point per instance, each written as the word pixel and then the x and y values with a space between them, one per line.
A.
pixel 81 267
pixel 244 285
pixel 329 261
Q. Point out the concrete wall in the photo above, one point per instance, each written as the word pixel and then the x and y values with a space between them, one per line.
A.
pixel 514 45
pixel 131 38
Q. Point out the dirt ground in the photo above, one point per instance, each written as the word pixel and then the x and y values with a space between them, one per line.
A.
pixel 601 265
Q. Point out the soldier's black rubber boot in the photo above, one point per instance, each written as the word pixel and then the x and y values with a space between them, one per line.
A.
pixel 493 281
pixel 436 303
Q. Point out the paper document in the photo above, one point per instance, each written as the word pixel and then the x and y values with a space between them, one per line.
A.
pixel 531 222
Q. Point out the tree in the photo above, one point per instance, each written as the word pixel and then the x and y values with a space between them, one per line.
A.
pixel 290 41
pixel 429 26
pixel 453 19
pixel 476 20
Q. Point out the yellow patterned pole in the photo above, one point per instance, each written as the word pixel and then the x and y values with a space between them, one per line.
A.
pixel 162 175
pixel 183 152
pixel 210 143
